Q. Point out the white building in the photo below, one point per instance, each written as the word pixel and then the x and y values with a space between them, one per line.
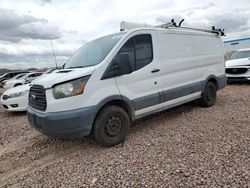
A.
pixel 232 45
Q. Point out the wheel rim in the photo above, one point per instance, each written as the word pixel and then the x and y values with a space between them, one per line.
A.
pixel 113 126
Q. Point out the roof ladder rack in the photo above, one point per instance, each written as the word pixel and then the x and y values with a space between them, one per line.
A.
pixel 167 25
pixel 172 24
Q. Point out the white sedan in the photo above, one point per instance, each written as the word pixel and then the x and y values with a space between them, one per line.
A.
pixel 19 76
pixel 27 78
pixel 16 99
pixel 238 66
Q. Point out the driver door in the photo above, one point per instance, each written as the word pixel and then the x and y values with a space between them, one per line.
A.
pixel 141 86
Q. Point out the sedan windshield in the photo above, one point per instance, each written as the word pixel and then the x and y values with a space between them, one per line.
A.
pixel 240 54
pixel 19 76
pixel 4 75
pixel 93 52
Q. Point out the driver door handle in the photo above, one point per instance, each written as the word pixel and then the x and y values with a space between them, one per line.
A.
pixel 155 70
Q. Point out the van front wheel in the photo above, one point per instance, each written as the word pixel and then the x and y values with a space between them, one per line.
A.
pixel 111 126
pixel 209 95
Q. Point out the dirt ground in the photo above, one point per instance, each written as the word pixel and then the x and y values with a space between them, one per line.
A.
pixel 186 146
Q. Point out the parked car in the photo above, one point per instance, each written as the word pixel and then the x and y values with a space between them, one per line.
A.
pixel 27 78
pixel 16 99
pixel 19 76
pixel 50 70
pixel 10 75
pixel 121 77
pixel 238 66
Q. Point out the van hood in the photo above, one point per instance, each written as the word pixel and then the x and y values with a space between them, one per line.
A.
pixel 238 62
pixel 62 75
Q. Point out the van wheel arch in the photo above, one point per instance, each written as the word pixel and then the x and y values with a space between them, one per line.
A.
pixel 121 104
pixel 212 79
pixel 116 101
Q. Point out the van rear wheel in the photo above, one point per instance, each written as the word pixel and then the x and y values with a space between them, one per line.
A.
pixel 209 95
pixel 111 126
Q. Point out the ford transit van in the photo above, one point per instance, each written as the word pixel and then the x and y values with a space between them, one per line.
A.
pixel 113 80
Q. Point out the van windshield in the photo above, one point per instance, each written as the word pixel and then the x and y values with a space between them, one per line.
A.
pixel 240 54
pixel 93 52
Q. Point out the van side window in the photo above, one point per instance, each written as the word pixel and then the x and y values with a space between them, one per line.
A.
pixel 143 50
pixel 139 49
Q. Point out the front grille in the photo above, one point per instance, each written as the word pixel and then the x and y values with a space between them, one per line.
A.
pixel 236 70
pixel 37 97
pixel 5 97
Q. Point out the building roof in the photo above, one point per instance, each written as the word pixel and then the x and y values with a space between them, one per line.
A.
pixel 237 40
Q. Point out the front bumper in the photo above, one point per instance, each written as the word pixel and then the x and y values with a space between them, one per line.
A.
pixel 238 79
pixel 17 104
pixel 245 76
pixel 73 123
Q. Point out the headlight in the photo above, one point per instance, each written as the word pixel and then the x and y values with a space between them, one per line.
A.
pixel 19 94
pixel 71 88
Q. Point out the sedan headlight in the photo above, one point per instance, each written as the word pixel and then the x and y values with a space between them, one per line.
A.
pixel 18 94
pixel 71 88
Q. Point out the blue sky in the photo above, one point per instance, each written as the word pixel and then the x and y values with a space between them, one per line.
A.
pixel 27 26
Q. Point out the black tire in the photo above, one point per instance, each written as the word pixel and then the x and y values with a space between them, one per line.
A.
pixel 17 85
pixel 209 95
pixel 111 126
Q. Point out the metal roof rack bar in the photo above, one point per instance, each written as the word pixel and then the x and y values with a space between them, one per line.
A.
pixel 213 30
pixel 172 24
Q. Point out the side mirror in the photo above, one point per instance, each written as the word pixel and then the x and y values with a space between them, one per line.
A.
pixel 122 64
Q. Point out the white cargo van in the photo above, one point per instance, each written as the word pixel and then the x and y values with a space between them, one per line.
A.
pixel 118 78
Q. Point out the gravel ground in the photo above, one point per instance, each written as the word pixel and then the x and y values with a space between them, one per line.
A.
pixel 187 146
